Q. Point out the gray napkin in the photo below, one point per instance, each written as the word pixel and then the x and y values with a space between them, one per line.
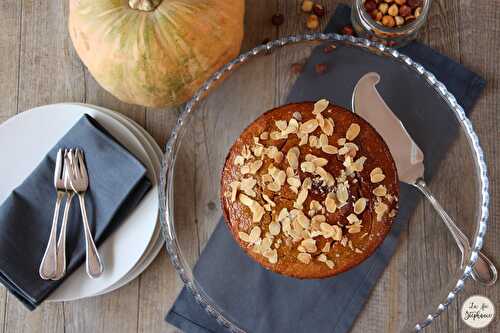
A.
pixel 117 183
pixel 262 301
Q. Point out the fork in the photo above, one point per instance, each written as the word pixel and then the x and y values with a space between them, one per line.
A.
pixel 61 243
pixel 48 264
pixel 79 181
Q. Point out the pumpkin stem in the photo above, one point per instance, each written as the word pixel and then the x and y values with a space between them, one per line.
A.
pixel 144 5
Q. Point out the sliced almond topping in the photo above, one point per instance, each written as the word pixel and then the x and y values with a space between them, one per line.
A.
pixel 341 141
pixel 377 178
pixel 375 171
pixel 234 190
pixel 283 214
pixel 296 115
pixel 354 228
pixel 266 243
pixel 281 124
pixel 271 255
pixel 254 234
pixel 292 157
pixel 315 205
pixel 380 209
pixel 327 247
pixel 247 185
pixel 313 141
pixel 326 177
pixel 258 150
pixel 380 191
pixel 358 250
pixel 268 200
pixel 320 106
pixel 360 205
pixel 321 120
pixel 274 228
pixel 320 161
pixel 304 258
pixel 323 140
pixel 267 178
pixel 307 167
pixel 331 231
pixel 301 198
pixel 304 138
pixel 352 132
pixel 322 257
pixel 309 126
pixel 244 236
pixel 245 169
pixel 293 181
pixel 353 218
pixel 327 126
pixel 330 203
pixel 342 193
pixel 310 245
pixel 293 127
pixel 256 209
pixel 330 264
pixel 274 186
pixel 358 165
pixel 275 135
pixel 239 160
pixel 342 151
pixel 255 166
pixel 264 135
pixel 329 149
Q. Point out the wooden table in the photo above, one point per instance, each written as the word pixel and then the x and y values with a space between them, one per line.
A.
pixel 38 65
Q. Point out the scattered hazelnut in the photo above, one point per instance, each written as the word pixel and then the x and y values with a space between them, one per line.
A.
pixel 388 21
pixel 383 7
pixel 393 10
pixel 297 68
pixel 414 3
pixel 400 2
pixel 277 19
pixel 312 22
pixel 399 20
pixel 318 10
pixel 329 48
pixel 307 6
pixel 370 5
pixel 404 10
pixel 347 30
pixel 377 15
pixel 321 68
pixel 418 11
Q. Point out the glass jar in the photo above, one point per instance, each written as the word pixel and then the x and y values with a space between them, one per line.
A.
pixel 365 26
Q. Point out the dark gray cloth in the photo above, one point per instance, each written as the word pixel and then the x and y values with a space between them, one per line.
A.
pixel 117 183
pixel 262 301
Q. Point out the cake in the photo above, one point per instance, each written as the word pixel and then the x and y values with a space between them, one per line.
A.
pixel 309 190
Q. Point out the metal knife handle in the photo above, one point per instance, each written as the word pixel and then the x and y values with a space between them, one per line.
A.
pixel 484 271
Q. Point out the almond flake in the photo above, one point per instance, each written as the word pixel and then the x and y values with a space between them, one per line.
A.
pixel 358 164
pixel 380 191
pixel 274 186
pixel 256 209
pixel 330 203
pixel 292 157
pixel 326 248
pixel 281 124
pixel 377 178
pixel 307 167
pixel 352 131
pixel 315 205
pixel 301 198
pixel 329 149
pixel 323 140
pixel 303 221
pixel 264 135
pixel 293 181
pixel 327 126
pixel 320 106
pixel 380 209
pixel 342 193
pixel 247 185
pixel 275 135
pixel 354 228
pixel 309 126
pixel 321 120
pixel 304 258
pixel 360 205
pixel 320 161
pixel 254 234
pixel 271 255
pixel 268 200
pixel 274 228
pixel 352 218
pixel 331 231
pixel 309 244
pixel 341 141
pixel 313 141
pixel 239 160
pixel 326 177
pixel 342 151
pixel 244 236
pixel 322 257
pixel 304 138
pixel 296 115
pixel 283 214
pixel 234 190
pixel 330 264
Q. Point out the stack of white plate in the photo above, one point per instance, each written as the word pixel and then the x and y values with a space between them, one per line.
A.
pixel 131 247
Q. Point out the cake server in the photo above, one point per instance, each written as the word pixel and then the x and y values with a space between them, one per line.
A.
pixel 409 159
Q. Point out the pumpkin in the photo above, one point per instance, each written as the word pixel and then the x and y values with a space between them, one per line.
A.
pixel 155 53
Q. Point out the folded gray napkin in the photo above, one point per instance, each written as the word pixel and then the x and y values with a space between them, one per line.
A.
pixel 117 183
pixel 262 301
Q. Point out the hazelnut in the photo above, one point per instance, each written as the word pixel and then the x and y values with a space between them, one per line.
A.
pixel 307 6
pixel 383 7
pixel 418 11
pixel 277 19
pixel 377 15
pixel 312 22
pixel 414 3
pixel 370 5
pixel 400 2
pixel 297 68
pixel 318 10
pixel 404 10
pixel 347 30
pixel 393 10
pixel 399 20
pixel 388 21
pixel 321 68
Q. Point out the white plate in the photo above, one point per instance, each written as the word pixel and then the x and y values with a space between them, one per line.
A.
pixel 155 153
pixel 123 249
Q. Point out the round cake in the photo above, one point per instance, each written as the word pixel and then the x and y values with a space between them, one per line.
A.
pixel 309 190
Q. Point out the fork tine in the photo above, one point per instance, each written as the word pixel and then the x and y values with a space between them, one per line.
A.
pixel 59 165
pixel 83 168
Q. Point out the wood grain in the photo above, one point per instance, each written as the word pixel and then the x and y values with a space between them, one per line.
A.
pixel 38 65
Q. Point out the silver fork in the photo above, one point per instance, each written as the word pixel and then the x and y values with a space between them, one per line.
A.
pixel 79 182
pixel 48 265
pixel 61 243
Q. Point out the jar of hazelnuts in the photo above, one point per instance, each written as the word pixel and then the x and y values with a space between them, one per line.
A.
pixel 391 22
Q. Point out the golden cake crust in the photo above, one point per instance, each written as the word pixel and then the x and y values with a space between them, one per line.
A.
pixel 255 197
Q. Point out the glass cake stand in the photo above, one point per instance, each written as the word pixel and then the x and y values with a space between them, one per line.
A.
pixel 425 275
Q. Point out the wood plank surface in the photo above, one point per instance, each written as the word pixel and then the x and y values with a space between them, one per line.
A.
pixel 38 65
